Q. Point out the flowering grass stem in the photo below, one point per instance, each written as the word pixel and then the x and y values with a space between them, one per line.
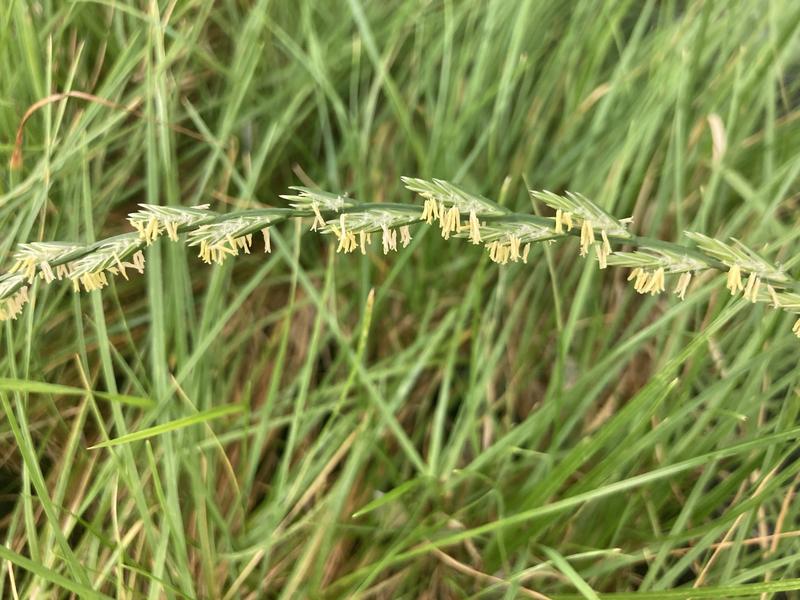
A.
pixel 506 235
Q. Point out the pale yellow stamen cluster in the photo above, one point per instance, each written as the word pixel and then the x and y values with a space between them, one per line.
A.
pixel 683 285
pixel 587 237
pixel 431 210
pixel 154 220
pixel 405 236
pixel 31 261
pixel 62 271
pixel 474 228
pixel 171 227
pixel 90 281
pixel 450 221
pixel 27 267
pixel 97 280
pixel 148 230
pixel 347 239
pixel 11 307
pixel 388 239
pixel 563 219
pixel 734 282
pixel 751 288
pixel 510 250
pixel 46 272
pixel 603 249
pixel 348 242
pixel 648 282
pixel 218 251
pixel 228 237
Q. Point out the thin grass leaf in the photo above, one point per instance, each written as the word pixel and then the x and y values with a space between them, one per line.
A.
pixel 569 571
pixel 40 387
pixel 201 417
pixel 49 575
pixel 390 496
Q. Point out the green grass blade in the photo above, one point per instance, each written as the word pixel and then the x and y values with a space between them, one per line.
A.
pixel 201 417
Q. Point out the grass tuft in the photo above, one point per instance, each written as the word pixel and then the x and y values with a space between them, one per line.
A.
pixel 487 416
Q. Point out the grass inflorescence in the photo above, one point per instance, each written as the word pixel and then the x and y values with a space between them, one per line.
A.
pixel 507 236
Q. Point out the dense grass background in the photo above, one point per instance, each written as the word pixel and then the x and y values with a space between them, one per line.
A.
pixel 476 431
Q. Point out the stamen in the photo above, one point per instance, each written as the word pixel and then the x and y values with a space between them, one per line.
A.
pixel 120 266
pixel 405 236
pixel 474 228
pixel 683 284
pixel 734 283
pixel 776 303
pixel 587 237
pixel 751 288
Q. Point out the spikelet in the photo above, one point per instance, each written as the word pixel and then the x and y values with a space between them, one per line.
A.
pixel 13 295
pixel 405 236
pixel 107 257
pixel 316 201
pixel 354 227
pixel 153 220
pixel 228 236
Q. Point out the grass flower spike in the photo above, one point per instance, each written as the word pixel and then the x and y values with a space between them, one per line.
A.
pixel 508 238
